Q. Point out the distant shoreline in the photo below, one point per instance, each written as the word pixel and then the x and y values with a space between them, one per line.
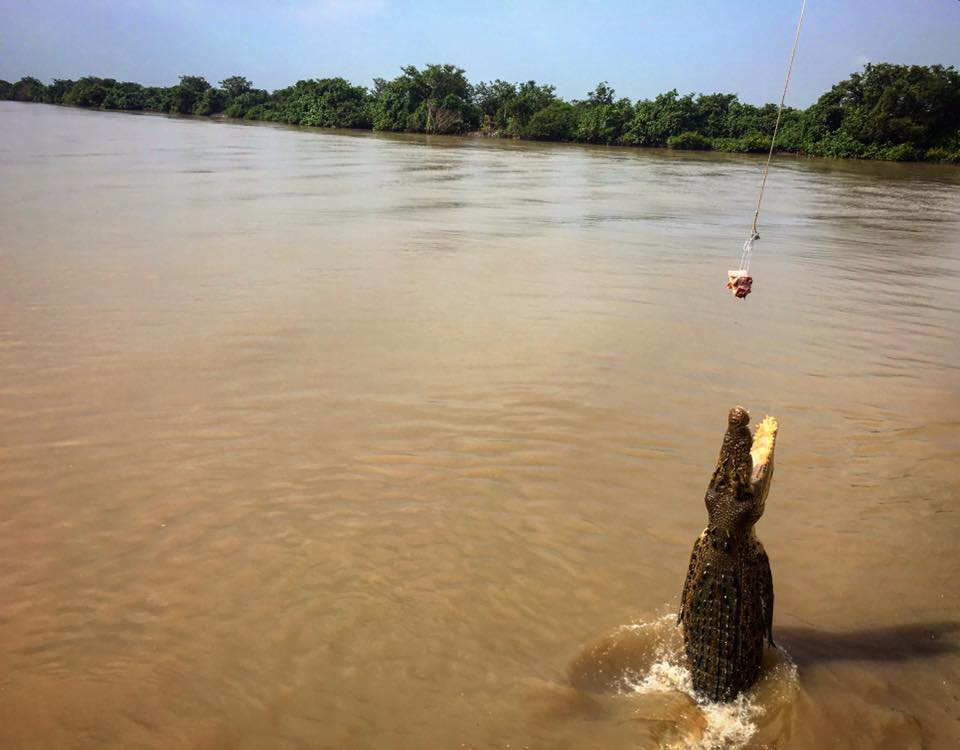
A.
pixel 477 136
pixel 886 113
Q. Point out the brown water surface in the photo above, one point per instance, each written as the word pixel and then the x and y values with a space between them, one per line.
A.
pixel 327 440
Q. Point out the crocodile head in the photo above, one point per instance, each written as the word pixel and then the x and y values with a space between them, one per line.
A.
pixel 741 480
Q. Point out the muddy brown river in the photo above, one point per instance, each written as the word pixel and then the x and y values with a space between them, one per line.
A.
pixel 339 440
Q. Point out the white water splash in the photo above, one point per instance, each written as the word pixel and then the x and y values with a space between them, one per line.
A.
pixel 728 726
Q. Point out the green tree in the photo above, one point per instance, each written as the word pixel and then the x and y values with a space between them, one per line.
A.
pixel 601 95
pixel 54 93
pixel 324 103
pixel 437 99
pixel 395 104
pixel 235 86
pixel 655 121
pixel 531 98
pixel 28 89
pixel 88 91
pixel 241 105
pixel 714 114
pixel 887 111
pixel 157 98
pixel 554 122
pixel 184 96
pixel 125 96
pixel 213 101
pixel 600 119
pixel 446 97
pixel 507 107
pixel 494 101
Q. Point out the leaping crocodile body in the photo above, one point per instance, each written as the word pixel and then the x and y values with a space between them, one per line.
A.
pixel 726 608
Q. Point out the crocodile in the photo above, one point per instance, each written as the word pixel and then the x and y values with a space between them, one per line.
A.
pixel 726 608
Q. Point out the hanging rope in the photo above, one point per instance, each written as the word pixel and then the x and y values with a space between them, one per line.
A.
pixel 740 281
pixel 776 127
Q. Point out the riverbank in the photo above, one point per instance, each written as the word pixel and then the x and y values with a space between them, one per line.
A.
pixel 886 112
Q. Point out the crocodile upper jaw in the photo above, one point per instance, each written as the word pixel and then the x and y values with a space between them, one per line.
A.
pixel 761 454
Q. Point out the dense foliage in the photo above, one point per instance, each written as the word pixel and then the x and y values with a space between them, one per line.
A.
pixel 896 112
pixel 437 99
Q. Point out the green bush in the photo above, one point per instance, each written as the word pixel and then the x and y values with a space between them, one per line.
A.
pixel 554 122
pixel 942 155
pixel 840 145
pixel 730 145
pixel 689 141
pixel 212 102
pixel 259 112
pixel 755 143
pixel 241 104
pixel 900 152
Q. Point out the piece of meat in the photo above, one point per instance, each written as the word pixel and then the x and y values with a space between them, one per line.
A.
pixel 739 283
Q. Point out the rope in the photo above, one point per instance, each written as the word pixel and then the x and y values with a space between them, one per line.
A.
pixel 754 234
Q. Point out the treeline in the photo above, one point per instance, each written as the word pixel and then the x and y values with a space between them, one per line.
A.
pixel 894 112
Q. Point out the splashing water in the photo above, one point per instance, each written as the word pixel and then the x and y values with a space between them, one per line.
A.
pixel 719 726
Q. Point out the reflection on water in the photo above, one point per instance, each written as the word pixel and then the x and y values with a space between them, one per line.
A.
pixel 341 440
pixel 894 643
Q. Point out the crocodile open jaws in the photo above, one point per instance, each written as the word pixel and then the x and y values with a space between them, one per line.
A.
pixel 726 608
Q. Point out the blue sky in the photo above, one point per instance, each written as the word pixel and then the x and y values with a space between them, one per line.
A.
pixel 642 47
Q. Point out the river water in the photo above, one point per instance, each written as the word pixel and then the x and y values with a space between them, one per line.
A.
pixel 339 440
